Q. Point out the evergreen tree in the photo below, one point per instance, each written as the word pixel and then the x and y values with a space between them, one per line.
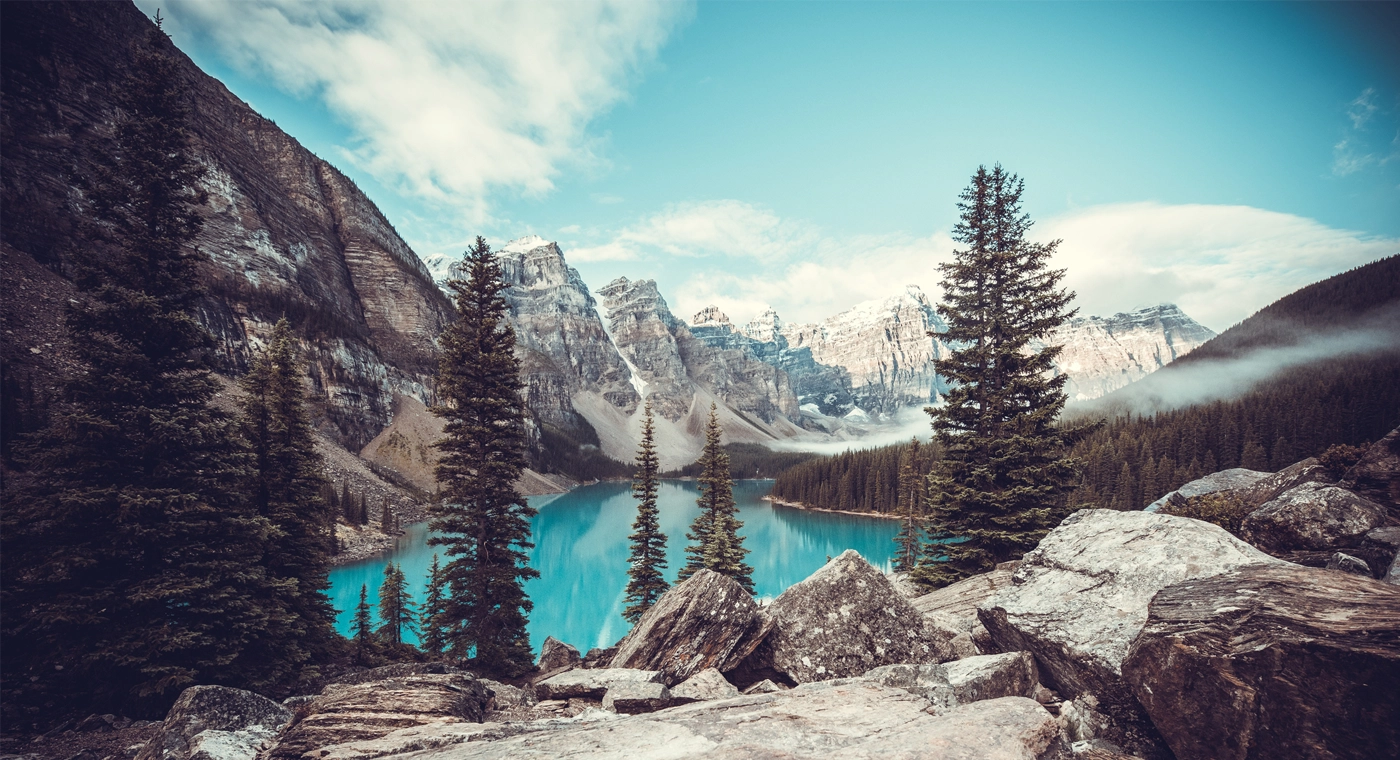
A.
pixel 999 484
pixel 132 559
pixel 715 543
pixel 911 502
pixel 362 627
pixel 386 519
pixel 433 640
pixel 645 582
pixel 395 606
pixel 482 521
pixel 287 489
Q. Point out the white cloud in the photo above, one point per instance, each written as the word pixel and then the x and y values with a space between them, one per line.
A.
pixel 1218 263
pixel 448 101
pixel 1361 146
pixel 1363 108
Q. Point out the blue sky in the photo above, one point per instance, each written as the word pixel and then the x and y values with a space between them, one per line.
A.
pixel 807 156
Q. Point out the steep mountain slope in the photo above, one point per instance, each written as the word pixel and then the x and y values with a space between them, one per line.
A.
pixel 286 233
pixel 1103 354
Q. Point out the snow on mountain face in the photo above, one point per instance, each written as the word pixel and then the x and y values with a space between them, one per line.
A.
pixel 1103 354
pixel 884 345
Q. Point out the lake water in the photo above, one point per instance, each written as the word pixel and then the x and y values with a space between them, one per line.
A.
pixel 581 553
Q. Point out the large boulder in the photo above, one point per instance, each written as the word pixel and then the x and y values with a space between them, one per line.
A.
pixel 1377 475
pixel 632 697
pixel 1266 489
pixel 1225 480
pixel 349 713
pixel 1379 549
pixel 1272 661
pixel 842 719
pixel 1312 517
pixel 843 620
pixel 216 723
pixel 707 684
pixel 1081 597
pixel 955 606
pixel 964 681
pixel 707 621
pixel 556 657
pixel 591 683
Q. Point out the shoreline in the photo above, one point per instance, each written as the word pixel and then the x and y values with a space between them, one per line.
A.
pixel 797 505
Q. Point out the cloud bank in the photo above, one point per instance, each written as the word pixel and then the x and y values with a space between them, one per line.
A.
pixel 1218 263
pixel 449 101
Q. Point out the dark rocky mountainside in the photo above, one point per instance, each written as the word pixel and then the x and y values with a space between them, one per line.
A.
pixel 285 232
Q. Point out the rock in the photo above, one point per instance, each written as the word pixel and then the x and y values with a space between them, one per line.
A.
pixel 556 656
pixel 1312 516
pixel 106 722
pixel 397 670
pixel 598 657
pixel 1081 597
pixel 929 681
pixel 631 697
pixel 216 723
pixel 1349 564
pixel 955 607
pixel 366 711
pixel 1393 575
pixel 764 687
pixel 1266 489
pixel 856 719
pixel 707 621
pixel 842 621
pixel 1379 548
pixel 1098 749
pixel 1377 476
pixel 507 697
pixel 1226 480
pixel 1272 661
pixel 1012 674
pixel 707 684
pixel 591 684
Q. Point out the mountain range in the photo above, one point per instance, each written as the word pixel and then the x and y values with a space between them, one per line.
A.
pixel 287 234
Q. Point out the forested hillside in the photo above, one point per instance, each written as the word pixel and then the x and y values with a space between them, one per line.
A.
pixel 861 481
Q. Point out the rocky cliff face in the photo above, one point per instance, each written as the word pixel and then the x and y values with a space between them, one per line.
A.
pixel 1103 354
pixel 286 233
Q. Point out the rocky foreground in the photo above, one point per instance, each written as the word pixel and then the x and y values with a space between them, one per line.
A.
pixel 1123 634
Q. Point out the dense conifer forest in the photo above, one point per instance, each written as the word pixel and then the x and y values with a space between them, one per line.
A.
pixel 750 460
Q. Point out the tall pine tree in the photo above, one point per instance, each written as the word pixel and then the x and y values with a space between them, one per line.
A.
pixel 481 520
pixel 395 606
pixel 362 627
pixel 910 506
pixel 288 489
pixel 645 582
pixel 433 640
pixel 132 562
pixel 998 488
pixel 715 543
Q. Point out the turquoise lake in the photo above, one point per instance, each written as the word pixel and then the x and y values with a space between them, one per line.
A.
pixel 581 553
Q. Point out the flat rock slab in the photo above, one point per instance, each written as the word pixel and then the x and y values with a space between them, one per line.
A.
pixel 991 676
pixel 707 684
pixel 1225 480
pixel 346 713
pixel 1313 516
pixel 1272 661
pixel 216 723
pixel 843 620
pixel 632 697
pixel 1081 597
pixel 955 607
pixel 841 720
pixel 707 621
pixel 591 684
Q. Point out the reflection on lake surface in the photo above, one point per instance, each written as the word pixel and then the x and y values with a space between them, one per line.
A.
pixel 581 553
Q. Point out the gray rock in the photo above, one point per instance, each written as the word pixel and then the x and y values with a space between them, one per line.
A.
pixel 507 697
pixel 707 684
pixel 1081 597
pixel 1225 480
pixel 216 723
pixel 1275 661
pixel 103 723
pixel 598 657
pixel 763 687
pixel 1349 564
pixel 1312 516
pixel 632 697
pixel 352 713
pixel 842 621
pixel 1012 674
pixel 707 621
pixel 929 681
pixel 556 656
pixel 1267 489
pixel 591 684
pixel 1379 548
pixel 955 607
pixel 1377 476
pixel 845 719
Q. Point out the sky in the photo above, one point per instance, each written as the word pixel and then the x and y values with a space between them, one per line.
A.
pixel 808 156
